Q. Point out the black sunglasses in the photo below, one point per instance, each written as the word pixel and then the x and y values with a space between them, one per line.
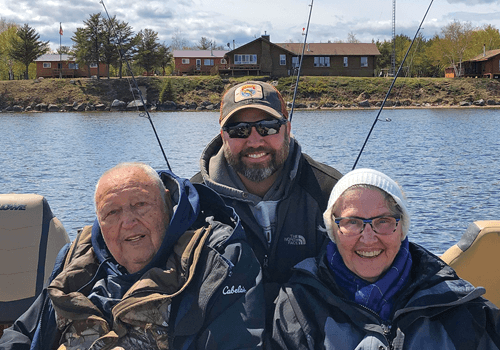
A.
pixel 242 130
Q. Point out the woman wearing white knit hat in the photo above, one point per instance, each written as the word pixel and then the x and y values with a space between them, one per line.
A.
pixel 373 289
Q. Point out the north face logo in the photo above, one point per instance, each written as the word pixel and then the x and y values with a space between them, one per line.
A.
pixel 295 240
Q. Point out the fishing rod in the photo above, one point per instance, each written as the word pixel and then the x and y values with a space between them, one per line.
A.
pixel 390 88
pixel 300 63
pixel 136 86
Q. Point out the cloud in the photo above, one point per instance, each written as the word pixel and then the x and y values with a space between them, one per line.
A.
pixel 224 22
pixel 473 17
pixel 473 2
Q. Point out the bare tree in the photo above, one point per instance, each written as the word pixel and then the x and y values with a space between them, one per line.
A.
pixel 456 39
pixel 351 38
pixel 178 42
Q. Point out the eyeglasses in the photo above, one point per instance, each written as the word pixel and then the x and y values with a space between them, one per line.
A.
pixel 242 130
pixel 353 226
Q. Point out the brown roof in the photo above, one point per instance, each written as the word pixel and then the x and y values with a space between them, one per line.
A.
pixel 483 57
pixel 333 49
pixel 262 38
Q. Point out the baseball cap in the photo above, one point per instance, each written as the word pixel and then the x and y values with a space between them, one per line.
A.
pixel 252 94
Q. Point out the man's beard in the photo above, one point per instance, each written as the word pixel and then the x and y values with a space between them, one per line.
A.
pixel 259 172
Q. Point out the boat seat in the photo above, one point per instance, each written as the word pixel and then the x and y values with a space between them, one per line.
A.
pixel 476 257
pixel 30 238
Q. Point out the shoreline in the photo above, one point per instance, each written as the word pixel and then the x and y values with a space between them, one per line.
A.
pixel 314 109
pixel 205 92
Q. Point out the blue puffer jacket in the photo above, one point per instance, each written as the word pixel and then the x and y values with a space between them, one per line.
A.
pixel 437 310
pixel 220 285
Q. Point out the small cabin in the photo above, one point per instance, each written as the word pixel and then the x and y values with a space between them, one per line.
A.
pixel 485 65
pixel 65 66
pixel 199 62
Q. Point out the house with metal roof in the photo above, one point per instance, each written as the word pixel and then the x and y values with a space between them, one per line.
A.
pixel 262 57
pixel 202 62
pixel 65 66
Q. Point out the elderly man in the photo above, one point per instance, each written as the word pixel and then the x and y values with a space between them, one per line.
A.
pixel 259 169
pixel 165 266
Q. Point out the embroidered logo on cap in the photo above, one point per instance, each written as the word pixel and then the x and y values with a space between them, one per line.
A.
pixel 248 91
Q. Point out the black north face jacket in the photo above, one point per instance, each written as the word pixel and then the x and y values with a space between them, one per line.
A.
pixel 299 231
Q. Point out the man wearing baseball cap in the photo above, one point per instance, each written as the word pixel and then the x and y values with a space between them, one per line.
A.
pixel 258 168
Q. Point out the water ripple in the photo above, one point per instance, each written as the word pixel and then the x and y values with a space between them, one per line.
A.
pixel 446 160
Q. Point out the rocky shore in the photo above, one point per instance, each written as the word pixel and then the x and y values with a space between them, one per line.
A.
pixel 204 93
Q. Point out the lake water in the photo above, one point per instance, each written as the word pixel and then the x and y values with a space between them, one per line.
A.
pixel 445 159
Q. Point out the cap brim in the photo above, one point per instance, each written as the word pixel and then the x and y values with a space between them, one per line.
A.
pixel 266 109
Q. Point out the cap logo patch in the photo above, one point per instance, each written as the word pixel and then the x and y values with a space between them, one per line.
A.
pixel 248 91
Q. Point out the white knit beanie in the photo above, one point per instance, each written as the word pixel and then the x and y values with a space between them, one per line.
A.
pixel 366 177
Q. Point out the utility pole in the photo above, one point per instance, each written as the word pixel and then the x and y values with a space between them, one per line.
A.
pixel 393 57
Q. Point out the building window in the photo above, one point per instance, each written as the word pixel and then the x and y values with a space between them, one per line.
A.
pixel 208 62
pixel 73 65
pixel 59 66
pixel 223 61
pixel 46 64
pixel 93 65
pixel 364 61
pixel 321 61
pixel 245 59
pixel 346 61
pixel 185 61
pixel 295 62
pixel 282 60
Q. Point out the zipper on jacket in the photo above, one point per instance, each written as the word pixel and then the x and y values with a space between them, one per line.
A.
pixel 386 328
pixel 265 263
pixel 269 236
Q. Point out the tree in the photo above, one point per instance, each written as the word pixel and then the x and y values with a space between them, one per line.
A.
pixel 165 58
pixel 6 25
pixel 8 67
pixel 110 38
pixel 384 60
pixel 351 38
pixel 27 47
pixel 178 42
pixel 148 53
pixel 204 44
pixel 124 42
pixel 456 39
pixel 64 50
pixel 89 42
pixel 487 38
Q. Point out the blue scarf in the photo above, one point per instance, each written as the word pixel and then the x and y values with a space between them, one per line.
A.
pixel 380 295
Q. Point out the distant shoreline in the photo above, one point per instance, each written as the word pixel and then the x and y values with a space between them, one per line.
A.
pixel 205 92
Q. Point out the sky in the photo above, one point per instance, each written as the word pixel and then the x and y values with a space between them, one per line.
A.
pixel 239 22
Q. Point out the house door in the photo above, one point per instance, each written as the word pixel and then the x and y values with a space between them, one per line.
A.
pixel 198 63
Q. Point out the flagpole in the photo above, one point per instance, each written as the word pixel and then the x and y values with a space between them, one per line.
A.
pixel 60 52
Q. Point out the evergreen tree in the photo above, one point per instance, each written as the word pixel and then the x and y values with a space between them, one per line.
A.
pixel 27 47
pixel 148 50
pixel 167 92
pixel 165 58
pixel 124 40
pixel 88 41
